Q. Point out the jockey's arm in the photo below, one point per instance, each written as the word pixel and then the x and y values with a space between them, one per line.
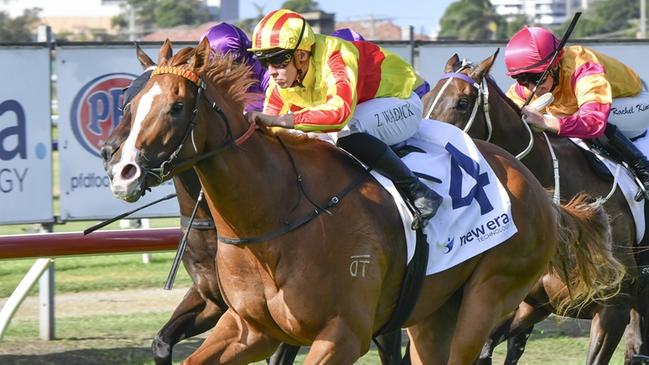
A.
pixel 594 98
pixel 268 120
pixel 593 94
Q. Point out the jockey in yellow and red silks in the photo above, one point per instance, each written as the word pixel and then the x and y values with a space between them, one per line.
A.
pixel 364 93
pixel 596 96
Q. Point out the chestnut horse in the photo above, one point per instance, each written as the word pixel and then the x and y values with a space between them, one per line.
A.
pixel 202 305
pixel 293 213
pixel 458 103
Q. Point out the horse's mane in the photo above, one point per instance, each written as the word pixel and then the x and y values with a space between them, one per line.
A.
pixel 223 73
pixel 234 79
pixel 501 93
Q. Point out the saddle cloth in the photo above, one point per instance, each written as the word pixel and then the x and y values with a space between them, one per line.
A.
pixel 476 212
pixel 626 182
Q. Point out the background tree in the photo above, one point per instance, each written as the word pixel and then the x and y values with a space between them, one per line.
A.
pixel 248 25
pixel 301 6
pixel 472 20
pixel 607 18
pixel 171 13
pixel 151 14
pixel 19 29
pixel 514 24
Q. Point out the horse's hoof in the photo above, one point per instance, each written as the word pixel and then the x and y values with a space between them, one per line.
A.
pixel 161 352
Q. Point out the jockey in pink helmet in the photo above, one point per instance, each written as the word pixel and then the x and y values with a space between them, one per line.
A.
pixel 321 83
pixel 596 96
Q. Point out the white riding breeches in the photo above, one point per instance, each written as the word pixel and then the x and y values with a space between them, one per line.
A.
pixel 390 119
pixel 631 114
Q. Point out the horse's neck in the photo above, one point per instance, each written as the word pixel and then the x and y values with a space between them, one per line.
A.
pixel 510 133
pixel 244 184
pixel 187 189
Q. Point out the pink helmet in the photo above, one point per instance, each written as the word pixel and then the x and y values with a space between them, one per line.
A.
pixel 530 51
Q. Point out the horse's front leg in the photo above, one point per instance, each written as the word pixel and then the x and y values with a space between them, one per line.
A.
pixel 337 344
pixel 233 342
pixel 285 355
pixel 192 316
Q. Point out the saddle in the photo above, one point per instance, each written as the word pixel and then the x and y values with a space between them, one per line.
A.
pixel 415 270
pixel 595 163
pixel 600 169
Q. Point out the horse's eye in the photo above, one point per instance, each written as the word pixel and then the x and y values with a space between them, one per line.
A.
pixel 177 107
pixel 462 104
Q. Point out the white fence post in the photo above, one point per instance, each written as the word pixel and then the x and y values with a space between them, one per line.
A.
pixel 46 289
pixel 17 297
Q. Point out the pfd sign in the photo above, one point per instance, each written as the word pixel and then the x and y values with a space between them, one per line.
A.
pixel 96 109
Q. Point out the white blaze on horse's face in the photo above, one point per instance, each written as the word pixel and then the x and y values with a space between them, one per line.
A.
pixel 127 173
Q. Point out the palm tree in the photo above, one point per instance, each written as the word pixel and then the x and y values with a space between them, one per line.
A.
pixel 472 20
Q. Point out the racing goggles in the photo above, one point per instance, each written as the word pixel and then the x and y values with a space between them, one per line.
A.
pixel 531 78
pixel 280 59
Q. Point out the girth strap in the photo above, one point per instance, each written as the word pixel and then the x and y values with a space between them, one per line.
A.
pixel 410 286
pixel 204 224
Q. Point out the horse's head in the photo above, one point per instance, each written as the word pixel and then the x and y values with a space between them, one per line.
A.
pixel 157 121
pixel 120 132
pixel 456 97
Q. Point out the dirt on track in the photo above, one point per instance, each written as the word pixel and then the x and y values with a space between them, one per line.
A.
pixel 132 350
pixel 114 302
pixel 102 349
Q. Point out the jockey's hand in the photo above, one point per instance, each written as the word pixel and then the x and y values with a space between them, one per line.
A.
pixel 284 121
pixel 540 121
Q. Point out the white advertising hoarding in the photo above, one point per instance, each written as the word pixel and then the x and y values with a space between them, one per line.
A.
pixel 90 87
pixel 25 135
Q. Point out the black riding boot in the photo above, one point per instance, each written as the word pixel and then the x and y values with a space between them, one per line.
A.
pixel 374 153
pixel 619 145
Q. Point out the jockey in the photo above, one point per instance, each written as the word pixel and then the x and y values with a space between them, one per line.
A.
pixel 595 96
pixel 224 38
pixel 227 38
pixel 358 90
pixel 351 36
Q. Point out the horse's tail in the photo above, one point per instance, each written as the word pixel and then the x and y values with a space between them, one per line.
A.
pixel 584 258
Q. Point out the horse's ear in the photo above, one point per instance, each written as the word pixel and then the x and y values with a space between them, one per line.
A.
pixel 165 52
pixel 450 64
pixel 483 68
pixel 201 55
pixel 144 59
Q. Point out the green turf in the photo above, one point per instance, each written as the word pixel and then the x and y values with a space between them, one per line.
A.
pixel 96 273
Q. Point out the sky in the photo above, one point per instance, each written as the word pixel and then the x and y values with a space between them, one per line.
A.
pixel 424 15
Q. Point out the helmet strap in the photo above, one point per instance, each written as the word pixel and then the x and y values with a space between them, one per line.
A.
pixel 299 77
pixel 555 77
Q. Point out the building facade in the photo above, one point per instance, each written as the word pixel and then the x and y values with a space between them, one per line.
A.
pixel 542 12
pixel 89 19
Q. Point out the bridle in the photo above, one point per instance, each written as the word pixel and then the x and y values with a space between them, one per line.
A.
pixel 483 96
pixel 172 162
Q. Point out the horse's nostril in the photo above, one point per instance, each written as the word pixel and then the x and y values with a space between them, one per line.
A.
pixel 128 171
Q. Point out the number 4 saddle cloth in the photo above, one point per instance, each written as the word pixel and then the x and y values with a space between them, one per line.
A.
pixel 476 213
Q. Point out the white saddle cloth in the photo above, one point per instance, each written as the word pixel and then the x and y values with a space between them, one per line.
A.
pixel 627 184
pixel 476 213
